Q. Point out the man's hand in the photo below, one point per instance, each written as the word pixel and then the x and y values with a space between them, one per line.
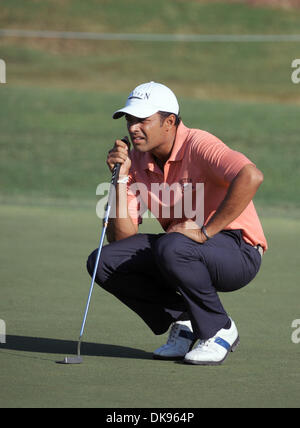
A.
pixel 119 154
pixel 190 229
pixel 121 226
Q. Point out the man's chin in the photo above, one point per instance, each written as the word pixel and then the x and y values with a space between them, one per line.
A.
pixel 140 148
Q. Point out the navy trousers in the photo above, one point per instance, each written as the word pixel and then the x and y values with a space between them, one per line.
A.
pixel 161 277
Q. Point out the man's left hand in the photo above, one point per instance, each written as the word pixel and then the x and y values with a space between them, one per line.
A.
pixel 190 229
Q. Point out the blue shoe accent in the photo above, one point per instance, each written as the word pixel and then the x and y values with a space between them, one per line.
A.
pixel 223 343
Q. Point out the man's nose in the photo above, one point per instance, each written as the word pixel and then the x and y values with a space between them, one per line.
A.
pixel 133 127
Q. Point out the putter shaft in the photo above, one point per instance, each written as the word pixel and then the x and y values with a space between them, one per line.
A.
pixel 111 194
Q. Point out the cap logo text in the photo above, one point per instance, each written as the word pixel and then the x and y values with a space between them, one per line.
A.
pixel 139 95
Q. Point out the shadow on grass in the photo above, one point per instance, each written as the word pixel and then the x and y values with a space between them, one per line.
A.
pixel 68 347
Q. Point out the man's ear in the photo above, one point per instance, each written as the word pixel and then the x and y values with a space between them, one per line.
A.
pixel 170 121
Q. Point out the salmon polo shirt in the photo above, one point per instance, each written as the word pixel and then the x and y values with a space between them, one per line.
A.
pixel 199 162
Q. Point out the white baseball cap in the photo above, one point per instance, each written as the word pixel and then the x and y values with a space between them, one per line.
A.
pixel 147 99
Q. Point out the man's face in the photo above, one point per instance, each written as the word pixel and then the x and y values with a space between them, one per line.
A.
pixel 146 134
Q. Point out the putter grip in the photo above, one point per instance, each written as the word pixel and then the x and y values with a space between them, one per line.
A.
pixel 116 170
pixel 115 174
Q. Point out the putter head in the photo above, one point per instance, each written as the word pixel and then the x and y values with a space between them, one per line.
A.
pixel 71 360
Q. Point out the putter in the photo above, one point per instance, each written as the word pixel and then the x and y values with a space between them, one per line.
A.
pixel 114 179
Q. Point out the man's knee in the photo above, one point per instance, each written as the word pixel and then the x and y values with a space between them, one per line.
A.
pixel 106 265
pixel 90 264
pixel 169 250
pixel 100 277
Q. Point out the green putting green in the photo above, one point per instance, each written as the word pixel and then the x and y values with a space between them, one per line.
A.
pixel 44 287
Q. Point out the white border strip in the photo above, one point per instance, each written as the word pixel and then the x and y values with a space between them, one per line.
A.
pixel 198 38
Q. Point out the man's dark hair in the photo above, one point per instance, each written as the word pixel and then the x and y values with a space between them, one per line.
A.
pixel 165 114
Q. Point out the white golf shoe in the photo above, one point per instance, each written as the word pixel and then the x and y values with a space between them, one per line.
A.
pixel 180 341
pixel 215 350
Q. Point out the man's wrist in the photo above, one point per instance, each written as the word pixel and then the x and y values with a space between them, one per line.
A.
pixel 204 232
pixel 123 179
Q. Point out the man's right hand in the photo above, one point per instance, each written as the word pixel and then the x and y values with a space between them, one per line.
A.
pixel 119 154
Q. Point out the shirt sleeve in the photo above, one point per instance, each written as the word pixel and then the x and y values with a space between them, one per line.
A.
pixel 222 163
